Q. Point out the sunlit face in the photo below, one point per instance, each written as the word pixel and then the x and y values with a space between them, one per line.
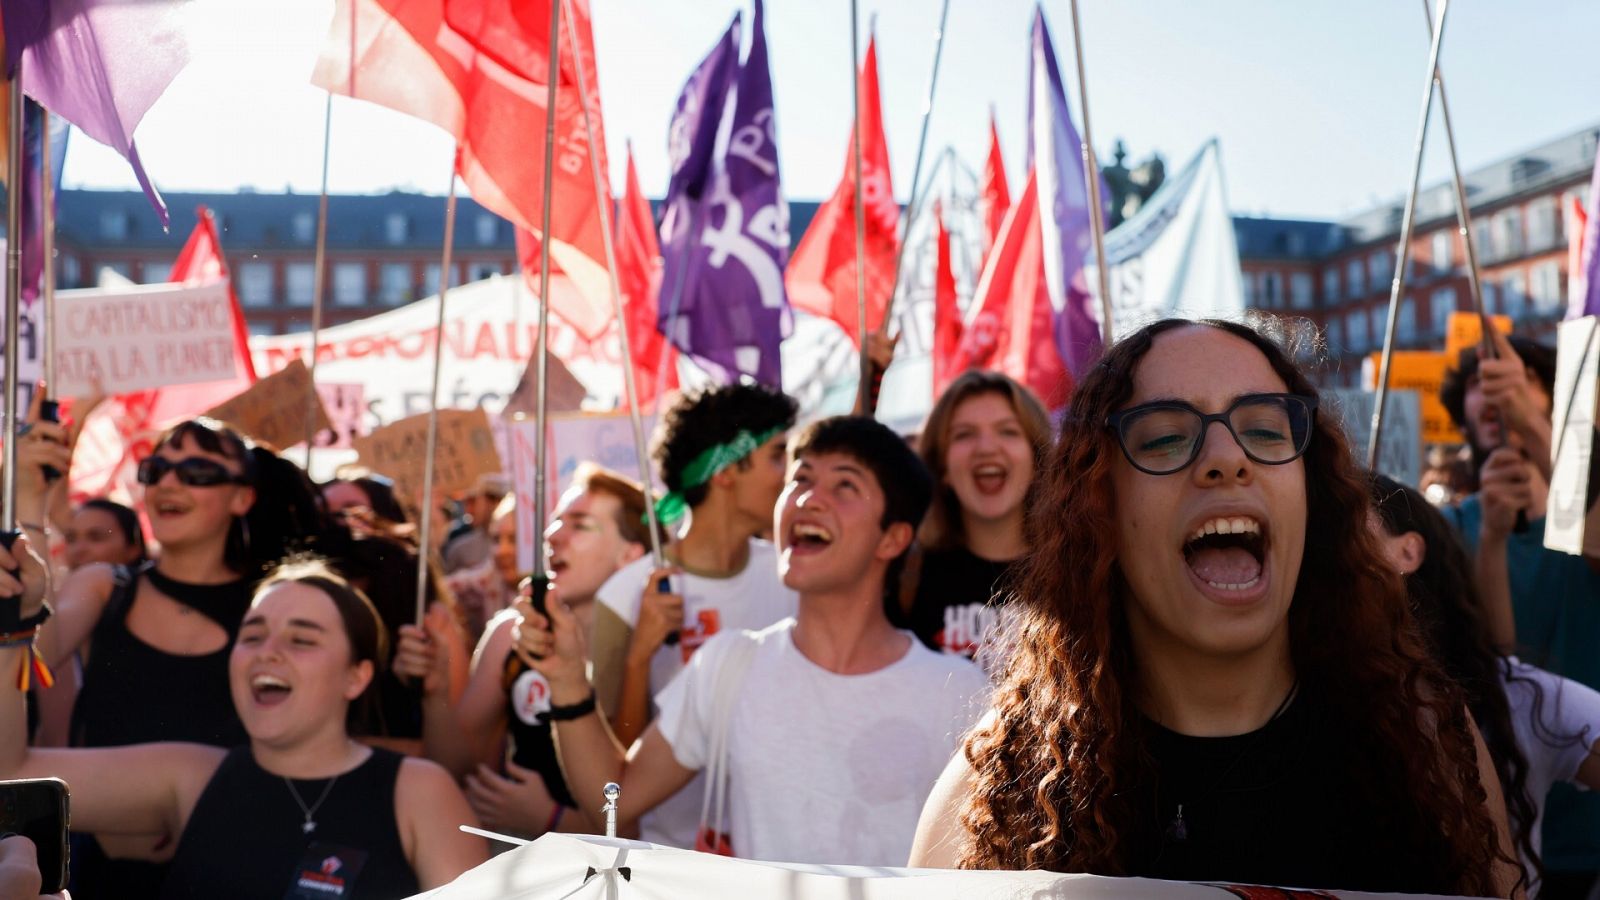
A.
pixel 1218 594
pixel 758 480
pixel 988 458
pixel 291 670
pixel 828 524
pixel 343 495
pixel 1483 418
pixel 584 545
pixel 94 536
pixel 182 515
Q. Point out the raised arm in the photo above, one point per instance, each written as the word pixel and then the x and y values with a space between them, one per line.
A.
pixel 1506 487
pixel 660 614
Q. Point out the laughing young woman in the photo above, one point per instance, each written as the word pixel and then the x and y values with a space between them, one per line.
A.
pixel 1198 691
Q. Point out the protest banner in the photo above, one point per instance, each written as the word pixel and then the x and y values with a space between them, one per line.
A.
pixel 465 450
pixel 346 406
pixel 1400 451
pixel 273 410
pixel 1421 371
pixel 1570 526
pixel 148 336
pixel 1466 330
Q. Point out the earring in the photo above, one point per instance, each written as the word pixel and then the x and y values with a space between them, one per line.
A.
pixel 244 531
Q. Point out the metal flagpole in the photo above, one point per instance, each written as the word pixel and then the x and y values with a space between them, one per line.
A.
pixel 1091 173
pixel 319 282
pixel 424 550
pixel 864 389
pixel 1463 211
pixel 541 579
pixel 1403 253
pixel 8 484
pixel 914 202
pixel 629 379
pixel 47 293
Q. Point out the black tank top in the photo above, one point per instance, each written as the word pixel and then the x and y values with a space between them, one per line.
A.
pixel 245 839
pixel 134 693
pixel 532 740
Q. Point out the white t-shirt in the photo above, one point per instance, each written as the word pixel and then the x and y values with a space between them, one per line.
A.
pixel 825 768
pixel 751 600
pixel 1568 725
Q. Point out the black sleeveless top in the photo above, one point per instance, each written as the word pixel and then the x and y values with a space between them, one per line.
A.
pixel 245 838
pixel 134 693
pixel 1294 804
pixel 532 739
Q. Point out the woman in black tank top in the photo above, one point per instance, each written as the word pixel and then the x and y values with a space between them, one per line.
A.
pixel 302 807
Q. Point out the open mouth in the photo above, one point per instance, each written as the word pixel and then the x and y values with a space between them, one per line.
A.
pixel 808 538
pixel 269 690
pixel 1227 553
pixel 168 508
pixel 989 478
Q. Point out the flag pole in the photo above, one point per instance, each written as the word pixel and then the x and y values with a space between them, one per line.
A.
pixel 1091 173
pixel 424 550
pixel 1463 210
pixel 8 483
pixel 629 379
pixel 540 412
pixel 864 389
pixel 1403 252
pixel 319 282
pixel 47 292
pixel 914 202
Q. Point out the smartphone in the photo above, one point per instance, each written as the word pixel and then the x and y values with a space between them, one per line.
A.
pixel 50 411
pixel 36 808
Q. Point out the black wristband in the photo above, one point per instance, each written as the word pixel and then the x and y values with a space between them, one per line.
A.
pixel 575 711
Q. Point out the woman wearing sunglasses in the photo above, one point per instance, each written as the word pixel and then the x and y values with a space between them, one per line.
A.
pixel 156 637
pixel 1215 676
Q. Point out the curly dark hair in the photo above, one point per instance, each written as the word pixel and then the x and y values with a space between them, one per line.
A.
pixel 1054 768
pixel 1453 391
pixel 700 421
pixel 1445 601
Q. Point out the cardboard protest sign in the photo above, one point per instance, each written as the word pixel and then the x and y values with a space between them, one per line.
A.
pixel 273 410
pixel 347 407
pixel 1400 451
pixel 1421 371
pixel 148 336
pixel 1570 526
pixel 465 450
pixel 1466 330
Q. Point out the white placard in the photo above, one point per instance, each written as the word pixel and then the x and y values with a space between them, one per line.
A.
pixel 1572 435
pixel 148 336
pixel 1400 452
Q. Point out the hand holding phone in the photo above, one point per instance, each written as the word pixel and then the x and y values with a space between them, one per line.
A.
pixel 37 809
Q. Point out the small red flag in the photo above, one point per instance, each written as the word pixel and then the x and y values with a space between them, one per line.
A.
pixel 946 310
pixel 996 195
pixel 639 273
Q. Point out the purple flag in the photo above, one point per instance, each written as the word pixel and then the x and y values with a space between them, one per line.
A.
pixel 33 218
pixel 99 64
pixel 1056 151
pixel 725 245
pixel 1589 252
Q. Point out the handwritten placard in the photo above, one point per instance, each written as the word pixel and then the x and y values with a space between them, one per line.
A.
pixel 1421 371
pixel 347 415
pixel 465 450
pixel 132 339
pixel 273 410
pixel 1466 330
pixel 1570 525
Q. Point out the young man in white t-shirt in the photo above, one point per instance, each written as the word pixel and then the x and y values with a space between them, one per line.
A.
pixel 722 454
pixel 838 724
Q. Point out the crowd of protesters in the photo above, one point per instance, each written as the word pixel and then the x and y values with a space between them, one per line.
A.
pixel 1180 633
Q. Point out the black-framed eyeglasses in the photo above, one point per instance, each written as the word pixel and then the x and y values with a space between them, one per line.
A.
pixel 1166 436
pixel 195 471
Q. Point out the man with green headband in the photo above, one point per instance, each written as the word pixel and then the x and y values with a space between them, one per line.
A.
pixel 721 453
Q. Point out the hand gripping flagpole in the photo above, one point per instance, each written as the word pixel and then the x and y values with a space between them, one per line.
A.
pixel 629 379
pixel 1403 252
pixel 319 283
pixel 424 550
pixel 864 389
pixel 8 483
pixel 1091 173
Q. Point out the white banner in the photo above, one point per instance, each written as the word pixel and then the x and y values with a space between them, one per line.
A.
pixel 1568 527
pixel 149 336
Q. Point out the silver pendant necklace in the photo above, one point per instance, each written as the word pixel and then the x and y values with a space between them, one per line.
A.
pixel 310 823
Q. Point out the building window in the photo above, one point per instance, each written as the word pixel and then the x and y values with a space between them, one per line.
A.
pixel 1330 288
pixel 114 225
pixel 1514 293
pixel 305 227
pixel 1508 233
pixel 1443 247
pixel 487 228
pixel 350 284
pixel 1356 277
pixel 1335 336
pixel 262 329
pixel 396 229
pixel 394 284
pixel 300 283
pixel 480 270
pixel 430 278
pixel 71 271
pixel 1356 330
pixel 255 284
pixel 157 272
pixel 1381 265
pixel 1491 297
pixel 1546 287
pixel 1380 323
pixel 1250 291
pixel 1443 303
pixel 1483 241
pixel 1300 290
pixel 1543 230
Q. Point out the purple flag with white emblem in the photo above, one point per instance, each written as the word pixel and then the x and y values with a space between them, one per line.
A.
pixel 725 235
pixel 1056 151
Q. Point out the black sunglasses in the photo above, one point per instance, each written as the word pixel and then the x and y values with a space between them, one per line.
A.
pixel 1164 437
pixel 195 471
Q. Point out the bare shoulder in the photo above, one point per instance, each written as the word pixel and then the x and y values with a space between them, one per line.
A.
pixel 940 833
pixel 422 780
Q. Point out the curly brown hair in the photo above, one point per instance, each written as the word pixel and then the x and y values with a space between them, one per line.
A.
pixel 1053 767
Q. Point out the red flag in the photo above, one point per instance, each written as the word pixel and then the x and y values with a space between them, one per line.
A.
pixel 479 69
pixel 1577 276
pixel 822 273
pixel 996 196
pixel 639 272
pixel 1013 330
pixel 946 310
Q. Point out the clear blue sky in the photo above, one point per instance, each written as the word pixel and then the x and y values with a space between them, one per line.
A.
pixel 1315 101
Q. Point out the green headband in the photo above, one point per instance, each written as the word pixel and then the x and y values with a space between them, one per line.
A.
pixel 672 506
